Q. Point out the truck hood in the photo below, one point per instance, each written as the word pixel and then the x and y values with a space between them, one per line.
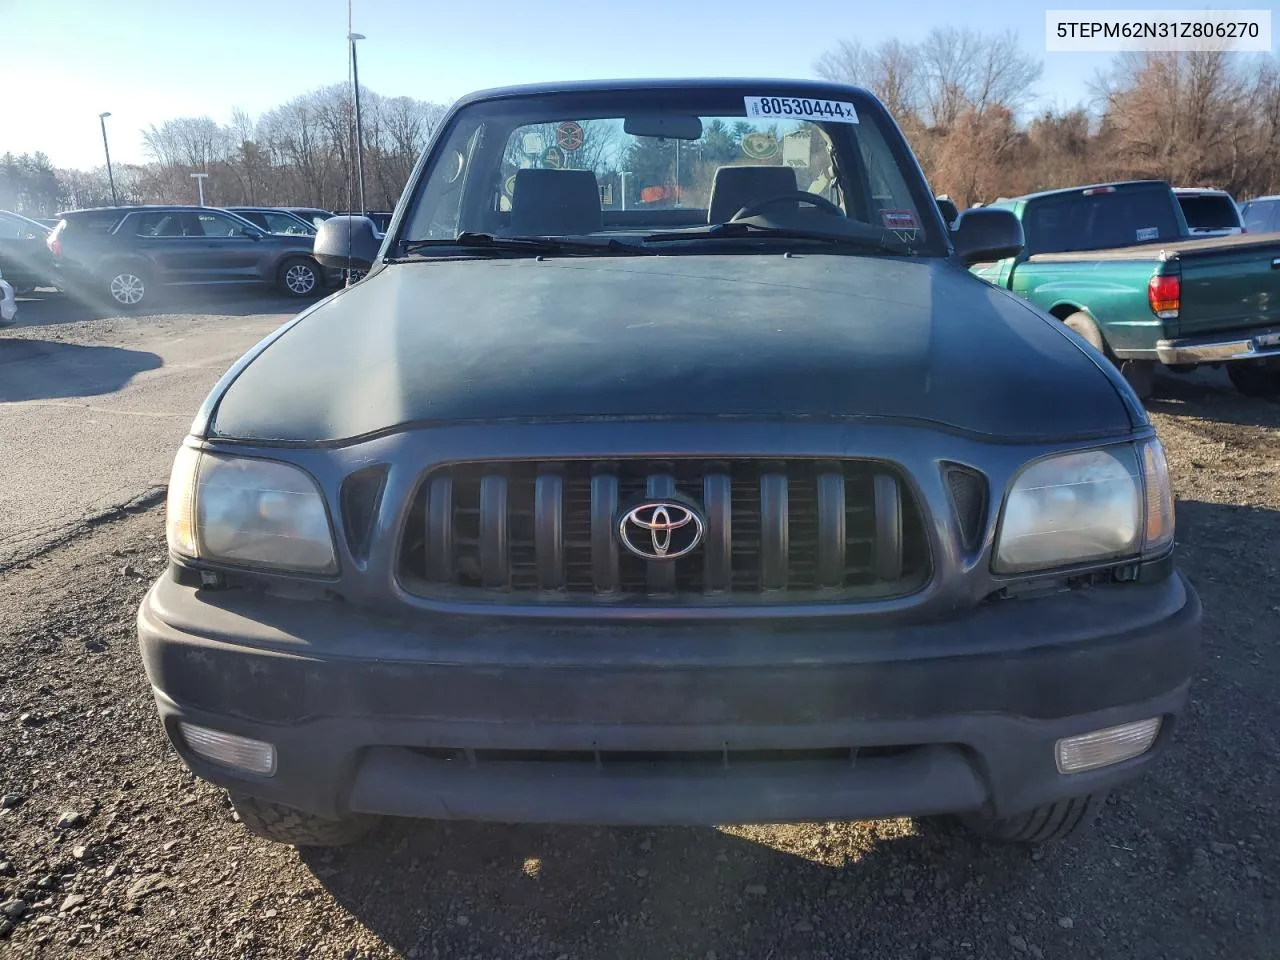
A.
pixel 672 336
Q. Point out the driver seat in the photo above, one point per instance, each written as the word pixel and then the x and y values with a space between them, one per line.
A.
pixel 736 187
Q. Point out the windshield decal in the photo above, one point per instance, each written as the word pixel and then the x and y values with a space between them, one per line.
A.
pixel 570 136
pixel 1148 233
pixel 898 219
pixel 760 145
pixel 802 108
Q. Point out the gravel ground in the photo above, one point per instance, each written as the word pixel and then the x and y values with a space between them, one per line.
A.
pixel 109 848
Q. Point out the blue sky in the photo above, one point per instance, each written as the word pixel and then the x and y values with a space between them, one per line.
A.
pixel 147 61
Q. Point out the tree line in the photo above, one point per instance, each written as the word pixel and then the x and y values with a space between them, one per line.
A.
pixel 964 98
pixel 301 153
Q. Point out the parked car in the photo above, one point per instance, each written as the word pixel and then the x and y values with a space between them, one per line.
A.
pixel 24 254
pixel 274 220
pixel 786 517
pixel 126 252
pixel 1117 264
pixel 313 215
pixel 381 218
pixel 1209 213
pixel 8 302
pixel 1261 214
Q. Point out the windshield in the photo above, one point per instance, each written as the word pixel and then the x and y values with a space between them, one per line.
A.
pixel 626 164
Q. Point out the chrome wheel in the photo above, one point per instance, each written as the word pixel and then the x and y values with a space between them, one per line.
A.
pixel 300 279
pixel 127 289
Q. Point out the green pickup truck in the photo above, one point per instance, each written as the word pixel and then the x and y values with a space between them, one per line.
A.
pixel 1116 263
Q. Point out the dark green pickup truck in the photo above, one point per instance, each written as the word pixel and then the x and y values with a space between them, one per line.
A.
pixel 1117 264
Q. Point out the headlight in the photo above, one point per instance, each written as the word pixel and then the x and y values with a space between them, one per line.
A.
pixel 258 513
pixel 1086 506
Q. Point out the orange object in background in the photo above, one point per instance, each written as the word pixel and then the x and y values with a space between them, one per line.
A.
pixel 652 194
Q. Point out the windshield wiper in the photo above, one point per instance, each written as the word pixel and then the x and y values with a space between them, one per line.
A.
pixel 733 230
pixel 468 240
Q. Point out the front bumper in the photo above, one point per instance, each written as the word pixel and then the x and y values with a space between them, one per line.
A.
pixel 1221 348
pixel 668 724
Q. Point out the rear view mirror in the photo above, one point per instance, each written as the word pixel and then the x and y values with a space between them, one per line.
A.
pixel 987 234
pixel 347 243
pixel 665 126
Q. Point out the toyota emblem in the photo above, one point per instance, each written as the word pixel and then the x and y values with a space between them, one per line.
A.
pixel 660 530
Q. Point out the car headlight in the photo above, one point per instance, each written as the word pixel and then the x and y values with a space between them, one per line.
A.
pixel 239 510
pixel 1085 506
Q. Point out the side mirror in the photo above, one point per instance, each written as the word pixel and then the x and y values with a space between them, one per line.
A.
pixel 251 234
pixel 987 234
pixel 347 243
pixel 948 209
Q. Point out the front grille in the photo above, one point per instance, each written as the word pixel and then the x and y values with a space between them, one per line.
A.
pixel 775 531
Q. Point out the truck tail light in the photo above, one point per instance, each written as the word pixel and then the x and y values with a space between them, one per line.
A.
pixel 54 240
pixel 1165 296
pixel 1094 191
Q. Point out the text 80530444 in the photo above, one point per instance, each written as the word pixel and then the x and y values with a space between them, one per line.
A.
pixel 801 108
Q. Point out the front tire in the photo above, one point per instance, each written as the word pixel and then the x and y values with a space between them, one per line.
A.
pixel 1256 378
pixel 282 824
pixel 1051 821
pixel 299 277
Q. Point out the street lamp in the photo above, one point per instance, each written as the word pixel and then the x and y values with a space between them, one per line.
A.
pixel 102 119
pixel 199 178
pixel 355 84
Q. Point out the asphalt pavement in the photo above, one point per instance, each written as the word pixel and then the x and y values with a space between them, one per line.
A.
pixel 93 404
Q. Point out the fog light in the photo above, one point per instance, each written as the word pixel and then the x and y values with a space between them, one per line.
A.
pixel 242 753
pixel 1100 748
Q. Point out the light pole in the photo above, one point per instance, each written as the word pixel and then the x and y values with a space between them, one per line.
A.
pixel 355 85
pixel 102 119
pixel 199 178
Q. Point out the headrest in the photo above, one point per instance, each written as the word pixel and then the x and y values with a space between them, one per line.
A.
pixel 555 203
pixel 736 187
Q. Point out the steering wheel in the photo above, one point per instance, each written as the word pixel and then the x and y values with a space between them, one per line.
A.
pixel 801 196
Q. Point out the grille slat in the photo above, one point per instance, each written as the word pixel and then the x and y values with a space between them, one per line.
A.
pixel 604 548
pixel 831 510
pixel 774 527
pixel 775 531
pixel 717 503
pixel 548 523
pixel 495 543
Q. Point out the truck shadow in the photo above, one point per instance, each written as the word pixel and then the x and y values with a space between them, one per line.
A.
pixel 688 892
pixel 1209 395
pixel 51 369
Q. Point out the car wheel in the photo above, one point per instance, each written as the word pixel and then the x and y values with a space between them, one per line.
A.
pixel 1255 378
pixel 299 277
pixel 127 286
pixel 1052 821
pixel 1087 327
pixel 297 828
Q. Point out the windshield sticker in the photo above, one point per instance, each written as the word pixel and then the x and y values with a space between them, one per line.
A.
pixel 570 136
pixel 760 146
pixel 1148 233
pixel 532 143
pixel 553 159
pixel 832 111
pixel 898 219
pixel 509 185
